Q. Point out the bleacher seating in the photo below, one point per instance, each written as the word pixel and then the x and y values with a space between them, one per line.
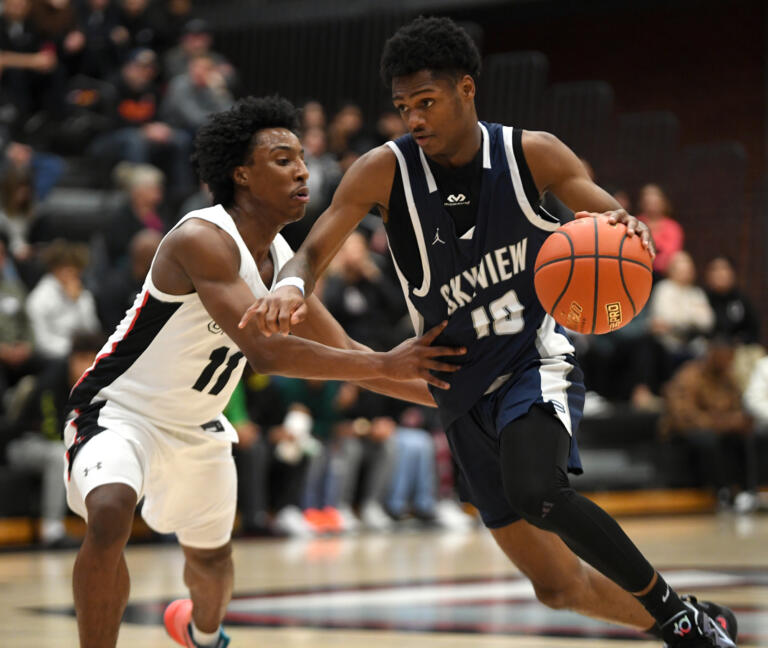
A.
pixel 511 89
pixel 581 115
pixel 708 191
pixel 645 147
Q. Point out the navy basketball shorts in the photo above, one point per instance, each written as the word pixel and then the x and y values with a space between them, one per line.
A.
pixel 475 437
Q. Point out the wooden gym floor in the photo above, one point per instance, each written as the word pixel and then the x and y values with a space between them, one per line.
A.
pixel 419 589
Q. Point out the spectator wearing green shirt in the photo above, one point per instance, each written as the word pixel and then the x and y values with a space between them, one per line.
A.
pixel 17 357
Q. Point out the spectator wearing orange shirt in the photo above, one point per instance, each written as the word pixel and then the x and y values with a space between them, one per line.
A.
pixel 138 134
pixel 656 212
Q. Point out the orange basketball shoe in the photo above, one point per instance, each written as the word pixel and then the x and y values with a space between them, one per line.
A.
pixel 177 619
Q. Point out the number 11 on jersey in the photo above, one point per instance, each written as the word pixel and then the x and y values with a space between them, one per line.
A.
pixel 217 358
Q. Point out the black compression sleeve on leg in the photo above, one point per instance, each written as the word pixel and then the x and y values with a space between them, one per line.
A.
pixel 534 458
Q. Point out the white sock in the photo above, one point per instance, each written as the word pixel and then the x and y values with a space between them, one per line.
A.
pixel 204 639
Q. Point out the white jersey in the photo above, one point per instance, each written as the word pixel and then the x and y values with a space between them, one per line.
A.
pixel 168 360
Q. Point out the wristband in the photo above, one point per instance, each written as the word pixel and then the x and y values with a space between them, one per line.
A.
pixel 296 282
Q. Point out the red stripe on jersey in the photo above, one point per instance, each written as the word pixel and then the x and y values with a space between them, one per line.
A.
pixel 74 439
pixel 115 343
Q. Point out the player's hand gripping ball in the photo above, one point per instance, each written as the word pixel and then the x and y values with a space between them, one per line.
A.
pixel 591 277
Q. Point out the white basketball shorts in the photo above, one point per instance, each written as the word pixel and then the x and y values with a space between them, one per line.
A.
pixel 188 481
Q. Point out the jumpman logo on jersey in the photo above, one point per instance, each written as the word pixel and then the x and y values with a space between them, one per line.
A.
pixel 437 237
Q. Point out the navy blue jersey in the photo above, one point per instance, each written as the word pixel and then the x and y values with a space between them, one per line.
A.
pixel 481 282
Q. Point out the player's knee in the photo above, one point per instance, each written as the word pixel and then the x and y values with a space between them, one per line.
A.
pixel 110 514
pixel 559 597
pixel 210 561
pixel 532 501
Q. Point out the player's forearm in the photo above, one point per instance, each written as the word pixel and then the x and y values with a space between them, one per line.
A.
pixel 412 391
pixel 299 358
pixel 299 265
pixel 581 194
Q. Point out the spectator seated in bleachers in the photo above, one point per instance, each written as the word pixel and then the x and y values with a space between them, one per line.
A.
pixel 117 291
pixel 364 300
pixel 621 367
pixel 313 116
pixel 142 24
pixel 251 456
pixel 98 21
pixel 308 431
pixel 17 354
pixel 704 408
pixel 735 316
pixel 38 446
pixel 413 486
pixel 143 209
pixel 17 211
pixel 270 458
pixel 59 305
pixel 26 177
pixel 196 39
pixel 656 212
pixel 137 134
pixel 176 15
pixel 348 137
pixel 678 318
pixel 679 311
pixel 31 80
pixel 44 168
pixel 413 489
pixel 362 457
pixel 194 95
pixel 56 22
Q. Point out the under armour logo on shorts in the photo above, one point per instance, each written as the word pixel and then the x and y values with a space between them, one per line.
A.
pixel 88 469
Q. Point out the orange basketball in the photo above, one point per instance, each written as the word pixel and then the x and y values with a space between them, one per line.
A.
pixel 591 277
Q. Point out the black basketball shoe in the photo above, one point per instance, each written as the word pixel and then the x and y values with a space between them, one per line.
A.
pixel 694 628
pixel 723 615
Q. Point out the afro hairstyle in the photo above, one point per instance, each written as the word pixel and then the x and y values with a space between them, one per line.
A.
pixel 435 44
pixel 226 140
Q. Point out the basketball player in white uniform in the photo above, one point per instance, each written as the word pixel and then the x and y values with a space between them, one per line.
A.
pixel 146 417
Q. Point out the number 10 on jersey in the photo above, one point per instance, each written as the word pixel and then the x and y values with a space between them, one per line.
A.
pixel 504 313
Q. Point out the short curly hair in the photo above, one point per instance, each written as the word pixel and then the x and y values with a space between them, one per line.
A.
pixel 436 44
pixel 226 140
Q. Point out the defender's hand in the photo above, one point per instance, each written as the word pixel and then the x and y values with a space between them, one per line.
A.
pixel 634 226
pixel 415 358
pixel 277 312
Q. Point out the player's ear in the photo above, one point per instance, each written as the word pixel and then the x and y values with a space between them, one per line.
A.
pixel 467 87
pixel 240 176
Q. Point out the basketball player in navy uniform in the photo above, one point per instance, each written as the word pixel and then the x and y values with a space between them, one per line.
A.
pixel 147 416
pixel 460 201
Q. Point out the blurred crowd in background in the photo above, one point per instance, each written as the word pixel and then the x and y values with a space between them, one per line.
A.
pixel 124 85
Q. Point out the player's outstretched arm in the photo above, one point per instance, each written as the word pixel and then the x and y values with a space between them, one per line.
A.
pixel 556 168
pixel 322 327
pixel 364 186
pixel 209 260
